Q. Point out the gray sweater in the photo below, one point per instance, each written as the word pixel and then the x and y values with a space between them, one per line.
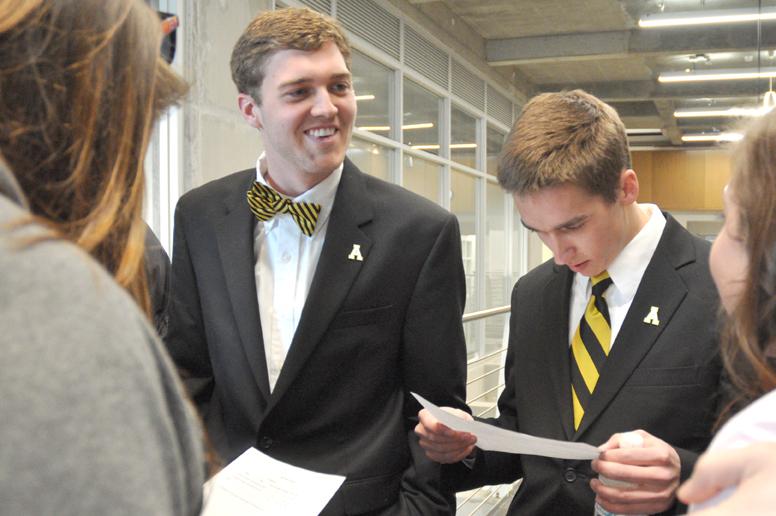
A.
pixel 92 416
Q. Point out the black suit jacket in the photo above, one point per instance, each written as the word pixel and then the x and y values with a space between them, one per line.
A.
pixel 663 379
pixel 370 332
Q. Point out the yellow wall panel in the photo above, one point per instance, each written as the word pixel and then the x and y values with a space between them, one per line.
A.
pixel 678 180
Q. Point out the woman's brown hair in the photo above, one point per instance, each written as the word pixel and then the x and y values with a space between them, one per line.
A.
pixel 749 335
pixel 80 88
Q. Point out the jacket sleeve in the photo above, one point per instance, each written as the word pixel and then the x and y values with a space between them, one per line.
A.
pixel 185 336
pixel 433 363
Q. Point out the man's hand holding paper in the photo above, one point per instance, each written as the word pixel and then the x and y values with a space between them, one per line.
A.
pixel 441 443
pixel 447 445
pixel 650 473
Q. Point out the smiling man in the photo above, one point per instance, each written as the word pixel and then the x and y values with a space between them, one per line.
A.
pixel 309 298
pixel 615 334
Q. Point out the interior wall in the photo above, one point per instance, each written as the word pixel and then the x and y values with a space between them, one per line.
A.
pixel 683 180
pixel 216 140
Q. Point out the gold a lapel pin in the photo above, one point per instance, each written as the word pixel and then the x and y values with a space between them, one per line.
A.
pixel 355 253
pixel 651 317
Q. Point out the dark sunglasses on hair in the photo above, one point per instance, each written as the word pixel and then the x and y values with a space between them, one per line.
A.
pixel 169 24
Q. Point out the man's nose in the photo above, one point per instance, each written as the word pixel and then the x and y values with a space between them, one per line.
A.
pixel 323 105
pixel 562 251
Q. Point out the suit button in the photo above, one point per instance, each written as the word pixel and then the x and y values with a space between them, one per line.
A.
pixel 570 475
pixel 265 443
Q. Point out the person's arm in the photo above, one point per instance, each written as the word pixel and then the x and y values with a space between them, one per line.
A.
pixel 433 362
pixel 653 471
pixel 185 338
pixel 466 466
pixel 157 266
pixel 748 472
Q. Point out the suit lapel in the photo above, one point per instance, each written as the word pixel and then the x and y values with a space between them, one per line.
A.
pixel 556 309
pixel 334 274
pixel 662 287
pixel 235 247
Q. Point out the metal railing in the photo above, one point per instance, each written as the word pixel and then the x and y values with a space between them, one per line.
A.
pixel 485 498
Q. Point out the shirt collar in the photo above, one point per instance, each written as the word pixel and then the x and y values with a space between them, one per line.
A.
pixel 323 193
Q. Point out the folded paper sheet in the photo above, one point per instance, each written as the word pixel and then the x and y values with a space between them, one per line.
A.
pixel 493 438
pixel 255 484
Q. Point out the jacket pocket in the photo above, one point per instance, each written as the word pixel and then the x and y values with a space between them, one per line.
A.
pixel 655 377
pixel 351 318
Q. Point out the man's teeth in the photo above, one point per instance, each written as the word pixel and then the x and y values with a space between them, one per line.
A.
pixel 319 133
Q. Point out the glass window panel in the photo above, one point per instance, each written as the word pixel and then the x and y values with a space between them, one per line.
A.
pixel 420 121
pixel 422 177
pixel 463 205
pixel 496 239
pixel 463 138
pixel 371 158
pixel 498 285
pixel 372 84
pixel 495 140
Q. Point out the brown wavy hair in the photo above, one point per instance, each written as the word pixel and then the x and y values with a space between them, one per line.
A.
pixel 81 83
pixel 567 137
pixel 290 28
pixel 749 334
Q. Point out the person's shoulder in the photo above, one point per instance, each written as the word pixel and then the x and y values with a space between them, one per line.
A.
pixel 59 289
pixel 539 275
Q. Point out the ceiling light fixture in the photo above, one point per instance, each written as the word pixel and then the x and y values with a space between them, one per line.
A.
pixel 434 146
pixel 375 128
pixel 669 19
pixel 365 97
pixel 422 125
pixel 734 112
pixel 383 128
pixel 644 132
pixel 733 74
pixel 713 137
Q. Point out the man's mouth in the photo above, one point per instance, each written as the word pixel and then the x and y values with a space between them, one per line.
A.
pixel 321 132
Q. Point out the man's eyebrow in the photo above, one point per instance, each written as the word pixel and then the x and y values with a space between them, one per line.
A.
pixel 305 80
pixel 571 222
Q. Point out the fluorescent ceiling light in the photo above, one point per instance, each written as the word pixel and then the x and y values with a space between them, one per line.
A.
pixel 658 20
pixel 365 97
pixel 423 125
pixel 434 146
pixel 736 112
pixel 718 75
pixel 635 132
pixel 718 137
pixel 382 128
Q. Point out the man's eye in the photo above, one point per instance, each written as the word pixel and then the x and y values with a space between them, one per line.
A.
pixel 300 92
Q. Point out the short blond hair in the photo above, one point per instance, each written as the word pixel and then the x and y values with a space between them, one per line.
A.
pixel 570 137
pixel 284 29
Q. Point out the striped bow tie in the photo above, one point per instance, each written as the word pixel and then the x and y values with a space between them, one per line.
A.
pixel 265 203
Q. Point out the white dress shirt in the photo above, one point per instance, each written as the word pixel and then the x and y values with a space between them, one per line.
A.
pixel 285 264
pixel 626 271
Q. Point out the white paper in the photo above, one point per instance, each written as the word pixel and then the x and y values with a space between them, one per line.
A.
pixel 493 438
pixel 256 484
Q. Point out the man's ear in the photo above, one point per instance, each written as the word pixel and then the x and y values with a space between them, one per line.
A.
pixel 629 187
pixel 249 109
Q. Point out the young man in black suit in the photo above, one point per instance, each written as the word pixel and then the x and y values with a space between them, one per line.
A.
pixel 616 335
pixel 309 298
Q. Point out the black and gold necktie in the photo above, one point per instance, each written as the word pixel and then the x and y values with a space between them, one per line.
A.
pixel 590 347
pixel 265 203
